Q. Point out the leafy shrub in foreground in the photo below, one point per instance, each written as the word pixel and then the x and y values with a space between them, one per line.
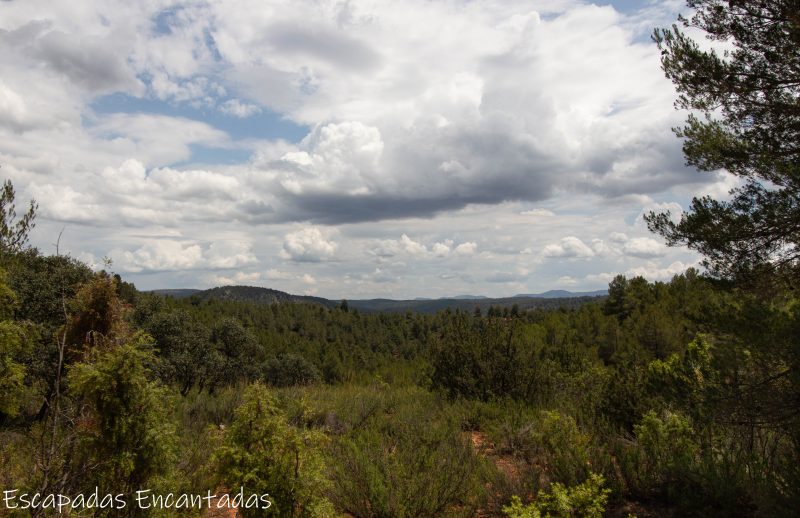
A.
pixel 265 455
pixel 126 435
pixel 551 440
pixel 406 459
pixel 587 500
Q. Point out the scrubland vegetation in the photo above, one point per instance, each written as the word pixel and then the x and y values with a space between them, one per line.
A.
pixel 673 398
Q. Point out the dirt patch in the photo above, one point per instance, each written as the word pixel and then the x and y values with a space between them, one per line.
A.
pixel 225 512
pixel 505 464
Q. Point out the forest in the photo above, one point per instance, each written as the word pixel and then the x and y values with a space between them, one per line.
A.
pixel 663 399
pixel 678 398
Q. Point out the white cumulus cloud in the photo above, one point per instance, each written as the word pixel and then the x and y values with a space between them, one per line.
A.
pixel 239 109
pixel 308 245
pixel 569 246
pixel 644 247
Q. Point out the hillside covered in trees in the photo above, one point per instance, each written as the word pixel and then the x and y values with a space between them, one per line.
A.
pixel 550 300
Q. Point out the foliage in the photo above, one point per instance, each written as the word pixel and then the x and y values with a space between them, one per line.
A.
pixel 586 500
pixel 553 442
pixel 679 393
pixel 15 342
pixel 125 432
pixel 266 455
pixel 287 369
pixel 13 231
pixel 749 126
pixel 689 379
pixel 237 353
pixel 404 457
pixel 665 455
pixel 185 350
pixel 95 314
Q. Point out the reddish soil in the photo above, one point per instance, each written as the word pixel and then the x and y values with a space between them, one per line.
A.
pixel 506 464
pixel 225 512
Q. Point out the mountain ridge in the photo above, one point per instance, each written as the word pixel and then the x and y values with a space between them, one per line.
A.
pixel 259 295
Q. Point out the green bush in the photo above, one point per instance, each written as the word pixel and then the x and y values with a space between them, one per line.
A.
pixel 266 455
pixel 15 342
pixel 200 408
pixel 702 471
pixel 125 432
pixel 407 457
pixel 550 440
pixel 286 370
pixel 663 458
pixel 586 500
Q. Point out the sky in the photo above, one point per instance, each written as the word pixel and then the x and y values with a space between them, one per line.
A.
pixel 347 148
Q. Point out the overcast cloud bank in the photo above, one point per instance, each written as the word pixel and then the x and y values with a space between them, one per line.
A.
pixel 483 147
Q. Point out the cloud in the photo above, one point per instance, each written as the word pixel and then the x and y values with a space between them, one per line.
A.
pixel 675 210
pixel 418 140
pixel 518 275
pixel 132 179
pixel 654 272
pixel 452 124
pixel 412 247
pixel 618 237
pixel 382 276
pixel 601 248
pixel 538 213
pixel 442 249
pixel 89 61
pixel 159 255
pixel 308 245
pixel 399 128
pixel 277 275
pixel 239 109
pixel 129 194
pixel 387 248
pixel 95 61
pixel 230 254
pixel 467 248
pixel 13 110
pixel 569 246
pixel 159 139
pixel 66 204
pixel 600 278
pixel 404 245
pixel 644 247
pixel 237 279
pixel 566 280
pixel 342 157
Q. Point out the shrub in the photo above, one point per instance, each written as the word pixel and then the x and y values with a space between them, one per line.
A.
pixel 265 455
pixel 587 500
pixel 124 428
pixel 551 440
pixel 406 458
pixel 286 370
pixel 663 457
pixel 15 343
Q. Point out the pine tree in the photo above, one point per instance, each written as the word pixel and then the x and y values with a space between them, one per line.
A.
pixel 747 102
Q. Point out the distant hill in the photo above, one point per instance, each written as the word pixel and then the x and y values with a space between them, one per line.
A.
pixel 563 294
pixel 548 300
pixel 433 306
pixel 176 293
pixel 259 296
